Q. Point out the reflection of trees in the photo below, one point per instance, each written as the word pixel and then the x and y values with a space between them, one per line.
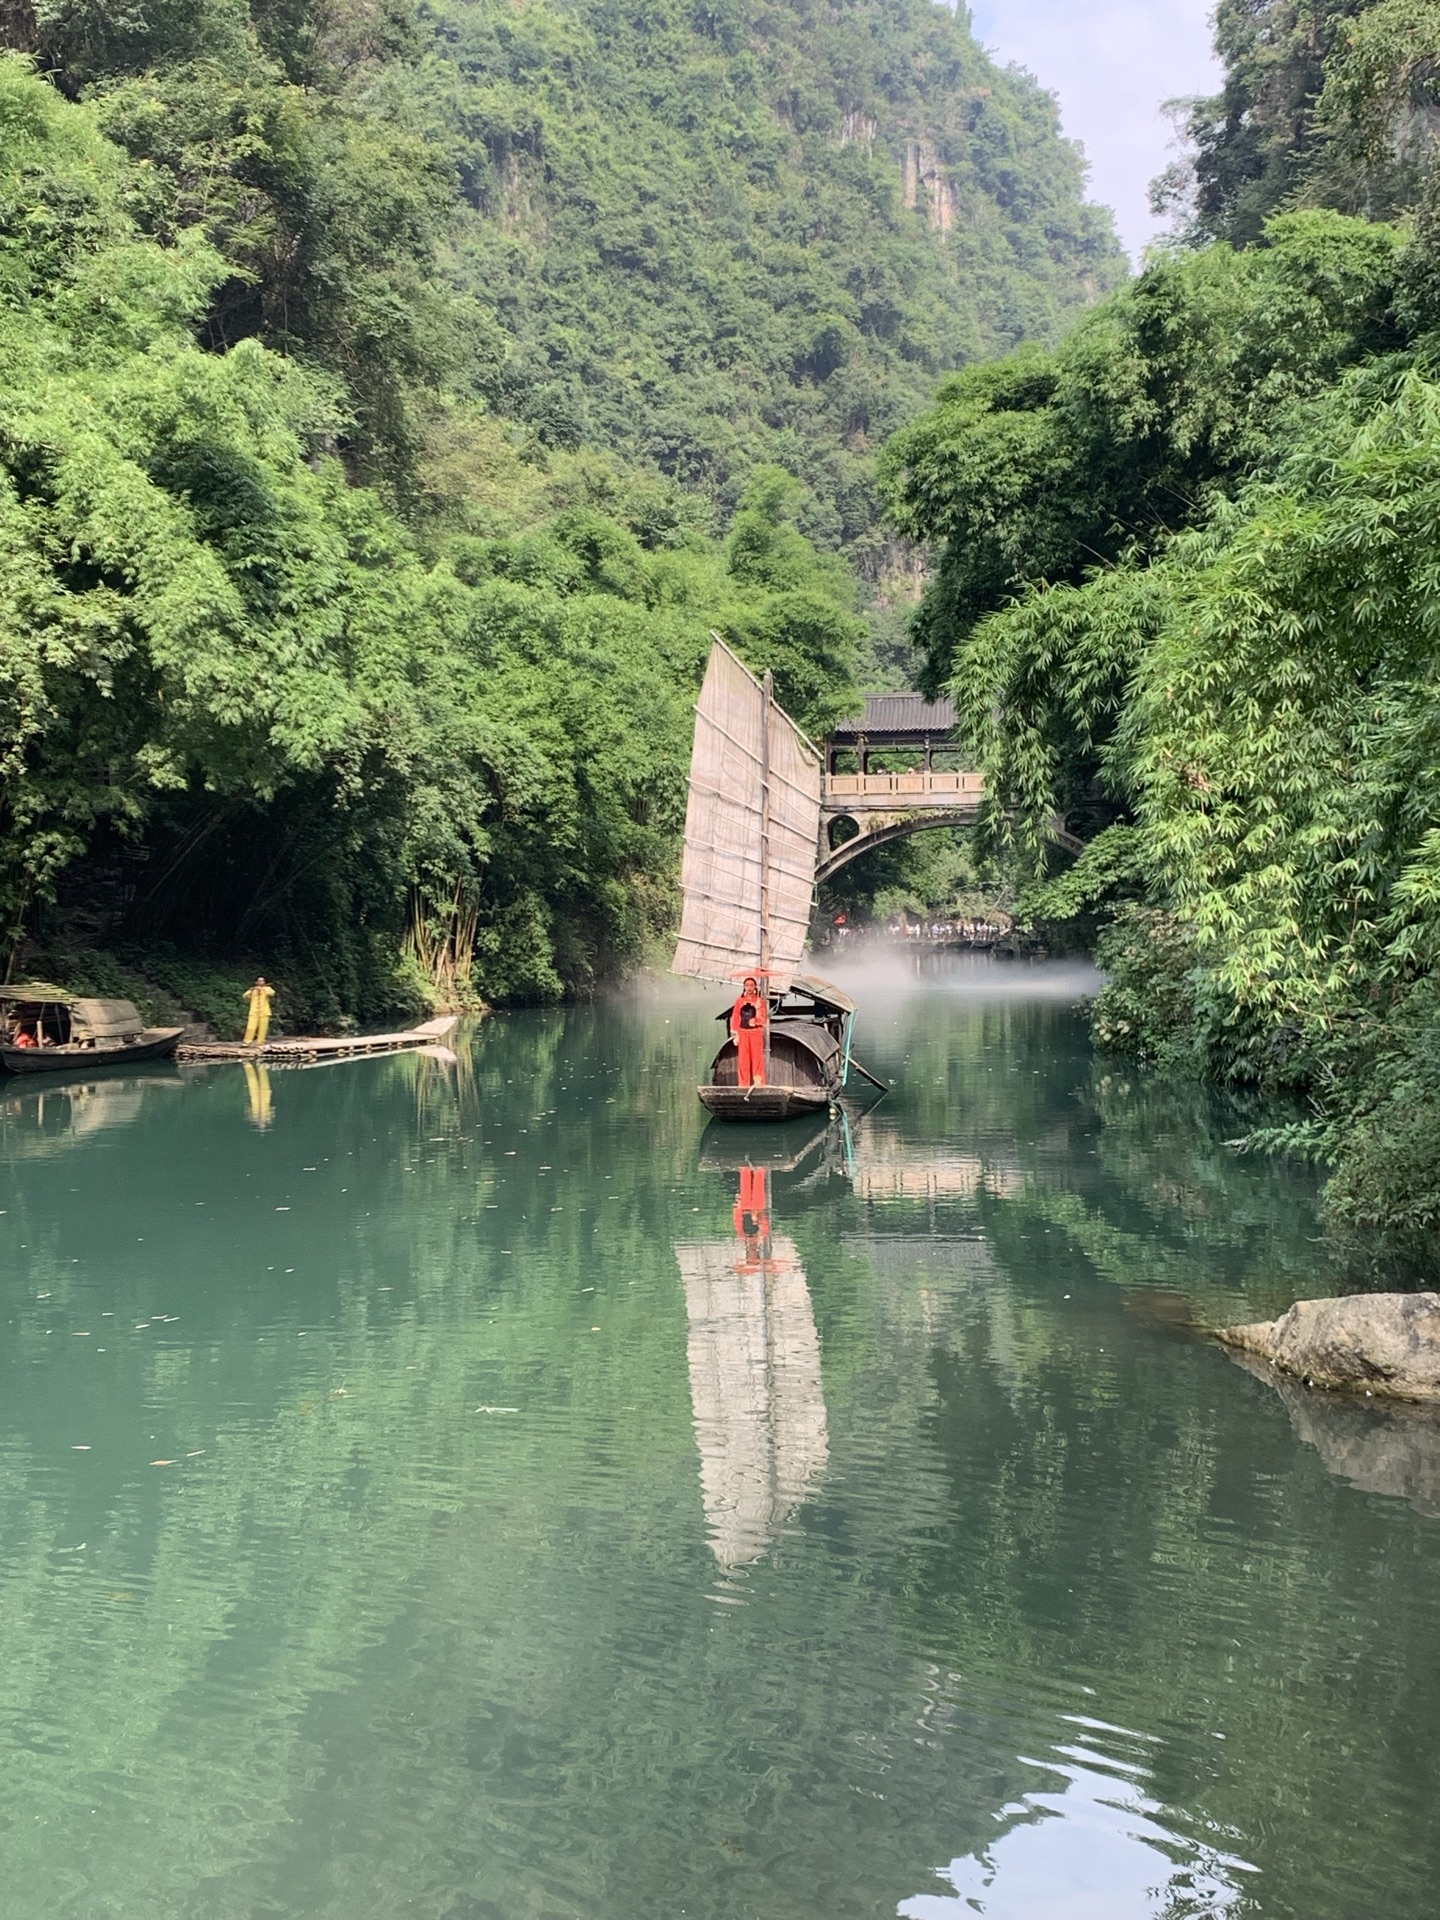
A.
pixel 1121 1521
pixel 306 1666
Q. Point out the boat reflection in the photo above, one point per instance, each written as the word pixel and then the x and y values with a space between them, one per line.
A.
pixel 755 1384
pixel 42 1118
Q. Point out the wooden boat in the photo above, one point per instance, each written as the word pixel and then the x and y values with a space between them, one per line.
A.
pixel 808 1055
pixel 76 1033
pixel 752 830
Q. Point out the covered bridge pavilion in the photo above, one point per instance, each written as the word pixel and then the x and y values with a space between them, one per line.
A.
pixel 894 723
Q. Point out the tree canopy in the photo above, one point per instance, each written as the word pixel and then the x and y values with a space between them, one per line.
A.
pixel 1185 596
pixel 393 397
pixel 236 691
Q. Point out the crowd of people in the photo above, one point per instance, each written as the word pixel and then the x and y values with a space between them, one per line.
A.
pixel 907 931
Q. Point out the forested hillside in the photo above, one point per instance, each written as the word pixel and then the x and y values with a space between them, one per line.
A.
pixel 1188 595
pixel 717 234
pixel 393 398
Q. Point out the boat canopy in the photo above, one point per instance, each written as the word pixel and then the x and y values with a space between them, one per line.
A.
pixel 827 997
pixel 752 829
pixel 819 997
pixel 90 1019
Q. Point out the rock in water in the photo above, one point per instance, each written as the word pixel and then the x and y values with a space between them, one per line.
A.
pixel 1383 1343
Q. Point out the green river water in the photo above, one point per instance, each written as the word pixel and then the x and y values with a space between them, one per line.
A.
pixel 418 1501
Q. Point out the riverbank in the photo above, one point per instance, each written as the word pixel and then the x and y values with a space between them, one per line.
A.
pixel 173 988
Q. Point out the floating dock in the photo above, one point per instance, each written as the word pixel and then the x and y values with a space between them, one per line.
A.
pixel 313 1051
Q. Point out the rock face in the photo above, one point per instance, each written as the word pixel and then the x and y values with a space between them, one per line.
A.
pixel 1382 1343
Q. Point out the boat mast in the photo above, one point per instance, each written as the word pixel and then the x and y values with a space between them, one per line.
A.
pixel 765 706
pixel 765 822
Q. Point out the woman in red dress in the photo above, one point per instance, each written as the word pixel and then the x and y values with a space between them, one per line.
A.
pixel 748 1018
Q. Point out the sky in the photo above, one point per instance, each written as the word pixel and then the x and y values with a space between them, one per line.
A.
pixel 1111 63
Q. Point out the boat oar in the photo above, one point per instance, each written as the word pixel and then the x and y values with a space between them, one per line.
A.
pixel 866 1073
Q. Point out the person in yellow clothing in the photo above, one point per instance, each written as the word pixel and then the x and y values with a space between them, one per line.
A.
pixel 258 1025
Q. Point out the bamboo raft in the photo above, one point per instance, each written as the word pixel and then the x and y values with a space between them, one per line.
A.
pixel 314 1050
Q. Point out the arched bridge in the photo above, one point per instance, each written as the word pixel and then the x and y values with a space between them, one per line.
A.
pixel 884 803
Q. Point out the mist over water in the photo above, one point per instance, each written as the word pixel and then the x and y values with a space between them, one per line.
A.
pixel 490 1491
pixel 884 977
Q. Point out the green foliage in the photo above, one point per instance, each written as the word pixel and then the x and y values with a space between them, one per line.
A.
pixel 1268 696
pixel 1028 473
pixel 235 693
pixel 1325 103
pixel 1189 597
pixel 1147 1006
pixel 285 135
pixel 565 288
pixel 1254 142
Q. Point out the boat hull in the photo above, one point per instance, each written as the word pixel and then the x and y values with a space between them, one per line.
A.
pixel 160 1044
pixel 763 1103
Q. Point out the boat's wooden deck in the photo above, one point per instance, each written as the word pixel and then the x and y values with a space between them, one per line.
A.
pixel 763 1103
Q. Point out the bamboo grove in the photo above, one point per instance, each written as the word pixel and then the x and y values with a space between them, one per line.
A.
pixel 1188 594
pixel 393 397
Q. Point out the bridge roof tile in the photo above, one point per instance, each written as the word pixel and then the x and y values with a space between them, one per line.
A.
pixel 893 713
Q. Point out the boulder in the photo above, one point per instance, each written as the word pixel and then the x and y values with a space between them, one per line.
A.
pixel 1386 1344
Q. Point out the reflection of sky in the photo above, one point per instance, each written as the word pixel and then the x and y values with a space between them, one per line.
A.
pixel 1096 1849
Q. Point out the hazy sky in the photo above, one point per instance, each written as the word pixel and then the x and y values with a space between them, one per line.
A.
pixel 1112 63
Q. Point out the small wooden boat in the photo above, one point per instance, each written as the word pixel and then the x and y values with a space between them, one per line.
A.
pixel 74 1033
pixel 807 1057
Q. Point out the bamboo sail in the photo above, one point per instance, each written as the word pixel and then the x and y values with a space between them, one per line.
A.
pixel 752 831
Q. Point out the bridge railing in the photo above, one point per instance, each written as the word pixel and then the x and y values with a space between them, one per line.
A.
pixel 904 789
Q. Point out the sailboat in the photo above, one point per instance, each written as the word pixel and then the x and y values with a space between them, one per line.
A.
pixel 752 837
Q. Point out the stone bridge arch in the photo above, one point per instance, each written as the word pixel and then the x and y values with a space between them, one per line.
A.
pixel 889 806
pixel 879 830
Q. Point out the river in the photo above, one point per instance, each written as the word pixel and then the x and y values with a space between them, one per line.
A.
pixel 419 1498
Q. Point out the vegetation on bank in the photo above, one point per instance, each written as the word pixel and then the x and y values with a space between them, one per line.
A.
pixel 1188 595
pixel 393 398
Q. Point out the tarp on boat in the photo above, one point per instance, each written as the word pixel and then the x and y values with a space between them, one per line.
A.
pixel 103 1020
pixel 752 832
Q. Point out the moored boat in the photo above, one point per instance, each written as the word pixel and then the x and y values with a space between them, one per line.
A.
pixel 46 1029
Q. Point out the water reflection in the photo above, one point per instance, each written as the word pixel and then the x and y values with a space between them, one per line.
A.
pixel 349 1535
pixel 41 1119
pixel 755 1385
pixel 1093 1848
pixel 261 1098
pixel 1391 1450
